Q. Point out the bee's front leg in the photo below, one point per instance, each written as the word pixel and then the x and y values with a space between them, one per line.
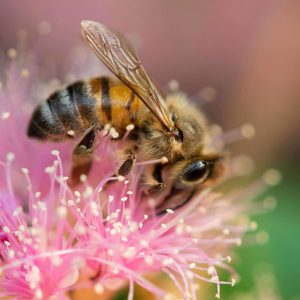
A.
pixel 82 156
pixel 153 181
pixel 128 163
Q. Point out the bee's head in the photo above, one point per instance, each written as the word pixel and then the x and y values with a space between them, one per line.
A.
pixel 186 140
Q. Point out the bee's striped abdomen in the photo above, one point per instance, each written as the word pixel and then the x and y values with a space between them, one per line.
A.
pixel 76 108
pixel 71 109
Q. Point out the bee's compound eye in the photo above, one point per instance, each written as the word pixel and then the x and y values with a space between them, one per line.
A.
pixel 198 170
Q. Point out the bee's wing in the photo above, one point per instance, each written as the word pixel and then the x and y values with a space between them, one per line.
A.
pixel 118 55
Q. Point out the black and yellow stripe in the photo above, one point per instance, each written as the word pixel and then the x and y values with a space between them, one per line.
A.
pixel 81 105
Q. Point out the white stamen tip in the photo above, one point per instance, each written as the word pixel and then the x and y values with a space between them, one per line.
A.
pixel 269 202
pixel 83 178
pixel 106 127
pixel 62 212
pixel 12 53
pixel 5 115
pixel 130 127
pixel 233 281
pixel 208 93
pixel 253 225
pixel 129 252
pixel 55 152
pixel 262 237
pixel 121 178
pixel 49 170
pixel 124 199
pixel 144 243
pixel 170 211
pixel 113 133
pixel 81 230
pixel 5 229
pixel 164 160
pixel 98 288
pixel 248 131
pixel 226 231
pixel 149 260
pixel 56 260
pixel 71 132
pixel 192 265
pixel 44 28
pixel 25 171
pixel 272 177
pixel 24 73
pixel 173 85
pixel 39 294
pixel 10 156
pixel 77 194
pixel 239 242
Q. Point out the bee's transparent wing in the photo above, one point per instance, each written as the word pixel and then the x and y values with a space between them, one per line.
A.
pixel 118 55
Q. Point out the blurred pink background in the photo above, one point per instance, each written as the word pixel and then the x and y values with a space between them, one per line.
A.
pixel 248 50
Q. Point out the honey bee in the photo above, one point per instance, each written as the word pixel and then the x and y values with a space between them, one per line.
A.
pixel 169 127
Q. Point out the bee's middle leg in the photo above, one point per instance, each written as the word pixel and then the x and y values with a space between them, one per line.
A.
pixel 82 156
pixel 128 162
pixel 153 181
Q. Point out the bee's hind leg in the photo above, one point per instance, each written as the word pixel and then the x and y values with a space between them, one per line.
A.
pixel 153 182
pixel 82 156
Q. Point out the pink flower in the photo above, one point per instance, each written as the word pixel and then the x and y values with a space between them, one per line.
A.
pixel 106 231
